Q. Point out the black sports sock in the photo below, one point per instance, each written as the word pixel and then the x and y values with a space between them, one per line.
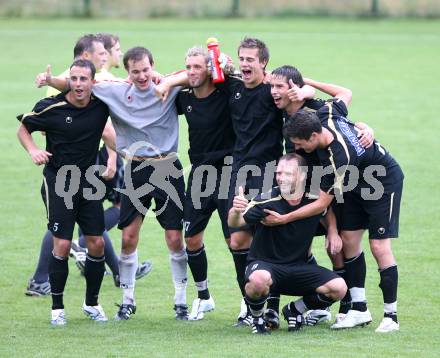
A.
pixel 345 303
pixel 355 271
pixel 240 260
pixel 317 301
pixel 311 260
pixel 58 272
pixel 111 259
pixel 256 305
pixel 273 302
pixel 111 217
pixel 389 278
pixel 198 264
pixel 94 273
pixel 42 271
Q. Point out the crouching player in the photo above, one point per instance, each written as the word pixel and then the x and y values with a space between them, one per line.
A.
pixel 277 258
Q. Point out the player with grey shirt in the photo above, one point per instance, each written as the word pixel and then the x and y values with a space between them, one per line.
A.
pixel 147 135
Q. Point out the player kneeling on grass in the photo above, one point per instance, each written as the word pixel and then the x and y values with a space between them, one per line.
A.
pixel 278 255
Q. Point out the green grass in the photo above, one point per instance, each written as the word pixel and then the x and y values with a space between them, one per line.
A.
pixel 392 68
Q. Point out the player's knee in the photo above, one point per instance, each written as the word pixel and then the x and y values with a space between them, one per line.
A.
pixel 174 239
pixel 129 241
pixel 259 283
pixel 381 250
pixel 99 243
pixel 194 243
pixel 240 240
pixel 339 289
pixel 61 247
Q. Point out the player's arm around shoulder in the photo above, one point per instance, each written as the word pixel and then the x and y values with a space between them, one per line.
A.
pixel 178 79
pixel 316 207
pixel 332 90
pixel 45 78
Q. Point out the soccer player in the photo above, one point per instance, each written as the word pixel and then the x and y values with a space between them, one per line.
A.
pixel 89 47
pixel 278 255
pixel 211 140
pixel 373 203
pixel 257 123
pixel 73 123
pixel 112 45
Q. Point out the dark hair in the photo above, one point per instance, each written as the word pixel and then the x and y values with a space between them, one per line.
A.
pixel 107 40
pixel 85 43
pixel 293 156
pixel 249 42
pixel 301 125
pixel 137 54
pixel 85 64
pixel 290 73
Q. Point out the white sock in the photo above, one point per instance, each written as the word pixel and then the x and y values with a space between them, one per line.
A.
pixel 390 308
pixel 179 264
pixel 202 285
pixel 127 276
pixel 358 294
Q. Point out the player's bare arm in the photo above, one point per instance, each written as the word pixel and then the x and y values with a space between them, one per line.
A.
pixel 178 79
pixel 46 79
pixel 332 90
pixel 109 138
pixel 38 156
pixel 333 242
pixel 315 208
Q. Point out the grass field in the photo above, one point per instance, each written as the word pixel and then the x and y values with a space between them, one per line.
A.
pixel 392 68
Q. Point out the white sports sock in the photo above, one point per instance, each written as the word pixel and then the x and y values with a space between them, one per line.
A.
pixel 127 276
pixel 202 285
pixel 179 264
pixel 390 308
pixel 358 294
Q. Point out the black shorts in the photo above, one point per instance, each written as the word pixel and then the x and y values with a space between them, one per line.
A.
pixel 117 181
pixel 89 214
pixel 293 279
pixel 202 199
pixel 380 217
pixel 252 183
pixel 161 180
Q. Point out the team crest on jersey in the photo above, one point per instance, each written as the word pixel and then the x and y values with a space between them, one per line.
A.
pixel 345 129
pixel 189 109
pixel 238 95
pixel 68 119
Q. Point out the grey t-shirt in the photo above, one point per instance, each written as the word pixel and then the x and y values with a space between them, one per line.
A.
pixel 140 117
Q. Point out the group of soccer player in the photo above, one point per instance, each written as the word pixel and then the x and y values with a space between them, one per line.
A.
pixel 270 205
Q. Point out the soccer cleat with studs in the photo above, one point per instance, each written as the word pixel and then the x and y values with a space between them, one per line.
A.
pixel 181 312
pixel 58 317
pixel 272 319
pixel 37 289
pixel 259 326
pixel 125 311
pixel 294 321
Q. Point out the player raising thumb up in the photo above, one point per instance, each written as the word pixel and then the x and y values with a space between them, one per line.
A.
pixel 44 78
pixel 240 202
pixel 295 93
